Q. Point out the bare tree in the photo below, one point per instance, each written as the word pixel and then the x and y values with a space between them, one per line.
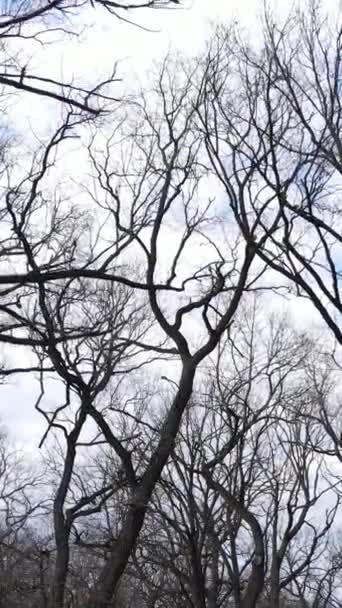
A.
pixel 253 532
pixel 160 155
pixel 143 270
pixel 271 114
pixel 26 24
pixel 90 312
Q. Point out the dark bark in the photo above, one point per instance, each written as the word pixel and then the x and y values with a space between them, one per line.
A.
pixel 134 519
pixel 256 579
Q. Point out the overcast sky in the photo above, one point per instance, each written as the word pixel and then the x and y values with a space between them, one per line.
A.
pixel 104 41
pixel 107 41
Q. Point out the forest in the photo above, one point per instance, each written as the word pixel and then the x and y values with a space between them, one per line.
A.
pixel 170 297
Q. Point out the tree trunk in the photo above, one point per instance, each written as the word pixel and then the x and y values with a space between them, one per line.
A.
pixel 56 595
pixel 132 524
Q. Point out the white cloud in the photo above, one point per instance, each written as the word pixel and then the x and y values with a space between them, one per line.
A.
pixel 93 56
